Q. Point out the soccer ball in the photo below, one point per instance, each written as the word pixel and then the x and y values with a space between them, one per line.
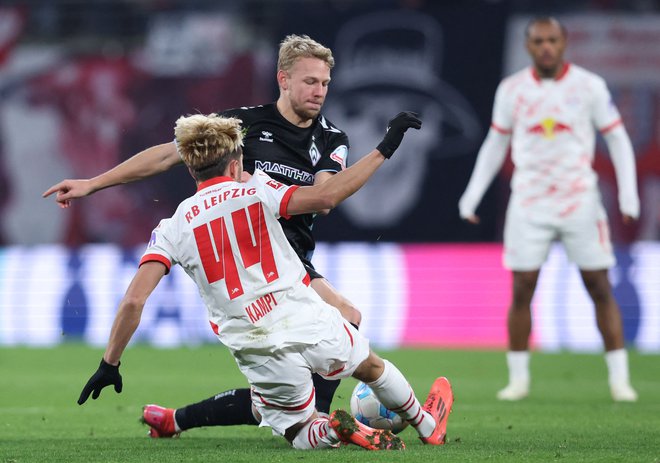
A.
pixel 367 409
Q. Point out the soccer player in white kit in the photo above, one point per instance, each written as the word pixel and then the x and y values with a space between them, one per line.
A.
pixel 549 114
pixel 228 239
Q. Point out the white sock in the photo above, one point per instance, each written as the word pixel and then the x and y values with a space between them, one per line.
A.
pixel 617 366
pixel 518 362
pixel 395 393
pixel 316 434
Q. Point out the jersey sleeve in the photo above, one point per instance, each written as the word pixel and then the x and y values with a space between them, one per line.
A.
pixel 160 247
pixel 605 115
pixel 274 195
pixel 335 157
pixel 502 120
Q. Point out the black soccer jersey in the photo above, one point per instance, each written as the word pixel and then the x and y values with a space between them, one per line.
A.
pixel 291 155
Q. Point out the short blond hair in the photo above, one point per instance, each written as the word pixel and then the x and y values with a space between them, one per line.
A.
pixel 294 47
pixel 203 141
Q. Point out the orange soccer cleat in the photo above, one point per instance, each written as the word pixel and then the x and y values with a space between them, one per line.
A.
pixel 160 421
pixel 352 431
pixel 438 404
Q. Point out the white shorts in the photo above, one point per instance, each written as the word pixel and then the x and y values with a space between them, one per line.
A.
pixel 584 233
pixel 282 389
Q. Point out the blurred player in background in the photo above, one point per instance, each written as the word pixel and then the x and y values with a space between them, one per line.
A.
pixel 549 113
pixel 227 239
pixel 295 144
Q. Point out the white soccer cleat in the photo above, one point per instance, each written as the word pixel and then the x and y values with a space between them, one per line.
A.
pixel 623 393
pixel 514 391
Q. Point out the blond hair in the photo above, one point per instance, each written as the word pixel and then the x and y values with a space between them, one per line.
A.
pixel 203 141
pixel 294 47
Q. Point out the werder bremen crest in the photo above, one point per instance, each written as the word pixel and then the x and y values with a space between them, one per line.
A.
pixel 314 154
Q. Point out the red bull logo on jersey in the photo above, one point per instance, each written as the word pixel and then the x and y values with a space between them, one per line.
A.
pixel 549 128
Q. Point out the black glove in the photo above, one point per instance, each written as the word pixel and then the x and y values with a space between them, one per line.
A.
pixel 395 130
pixel 106 375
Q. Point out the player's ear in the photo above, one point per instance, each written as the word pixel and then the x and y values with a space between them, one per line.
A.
pixel 235 169
pixel 282 79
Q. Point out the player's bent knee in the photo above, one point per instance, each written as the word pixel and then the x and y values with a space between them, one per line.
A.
pixel 349 312
pixel 353 315
pixel 329 294
pixel 370 369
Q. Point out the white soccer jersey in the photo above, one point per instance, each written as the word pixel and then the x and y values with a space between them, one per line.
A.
pixel 228 240
pixel 552 123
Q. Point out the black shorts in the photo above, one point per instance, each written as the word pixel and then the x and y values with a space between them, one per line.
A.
pixel 313 274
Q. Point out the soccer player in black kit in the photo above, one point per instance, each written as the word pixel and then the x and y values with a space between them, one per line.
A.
pixel 292 142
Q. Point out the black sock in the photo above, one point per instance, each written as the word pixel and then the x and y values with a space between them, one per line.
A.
pixel 225 409
pixel 325 390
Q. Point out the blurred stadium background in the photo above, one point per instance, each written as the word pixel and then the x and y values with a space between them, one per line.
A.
pixel 86 84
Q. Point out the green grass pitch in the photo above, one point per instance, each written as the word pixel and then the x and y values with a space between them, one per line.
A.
pixel 569 416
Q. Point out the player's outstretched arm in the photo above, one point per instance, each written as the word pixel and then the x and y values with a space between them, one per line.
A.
pixel 319 178
pixel 147 163
pixel 337 188
pixel 489 161
pixel 623 159
pixel 126 322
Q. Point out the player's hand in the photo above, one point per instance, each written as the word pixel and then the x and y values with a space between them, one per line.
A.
pixel 67 190
pixel 395 130
pixel 628 219
pixel 473 219
pixel 105 375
